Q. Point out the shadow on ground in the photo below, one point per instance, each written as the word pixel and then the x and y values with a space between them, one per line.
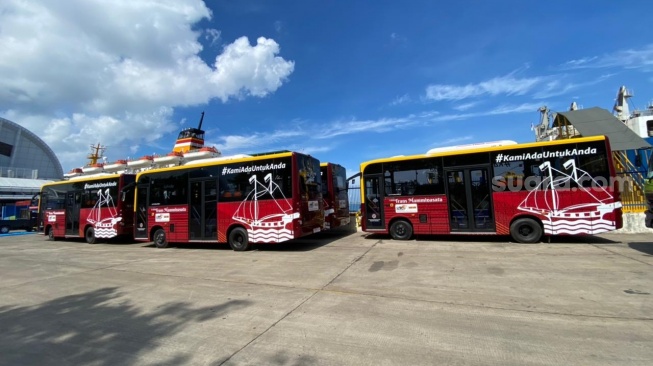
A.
pixel 644 247
pixel 97 328
pixel 304 244
pixel 562 239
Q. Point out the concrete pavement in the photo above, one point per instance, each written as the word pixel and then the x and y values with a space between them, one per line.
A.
pixel 348 299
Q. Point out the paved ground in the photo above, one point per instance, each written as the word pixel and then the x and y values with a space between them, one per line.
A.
pixel 346 299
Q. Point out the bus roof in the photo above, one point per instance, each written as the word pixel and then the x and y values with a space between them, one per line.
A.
pixel 218 161
pixel 478 145
pixel 85 178
pixel 495 147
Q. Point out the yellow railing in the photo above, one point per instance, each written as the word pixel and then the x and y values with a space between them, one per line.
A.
pixel 632 187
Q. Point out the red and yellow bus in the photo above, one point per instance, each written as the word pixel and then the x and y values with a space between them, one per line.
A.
pixel 523 190
pixel 94 207
pixel 240 200
pixel 334 195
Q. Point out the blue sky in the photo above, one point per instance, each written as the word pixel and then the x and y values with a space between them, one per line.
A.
pixel 343 81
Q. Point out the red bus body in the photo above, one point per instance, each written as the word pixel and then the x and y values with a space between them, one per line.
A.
pixel 334 195
pixel 239 200
pixel 92 207
pixel 562 187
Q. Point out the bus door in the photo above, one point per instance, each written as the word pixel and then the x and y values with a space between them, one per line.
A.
pixel 140 226
pixel 73 204
pixel 374 218
pixel 470 199
pixel 203 216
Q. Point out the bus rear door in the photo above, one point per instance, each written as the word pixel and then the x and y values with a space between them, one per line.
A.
pixel 140 226
pixel 73 205
pixel 374 218
pixel 203 210
pixel 470 199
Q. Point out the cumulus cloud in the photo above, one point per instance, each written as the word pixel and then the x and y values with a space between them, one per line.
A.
pixel 87 70
pixel 508 85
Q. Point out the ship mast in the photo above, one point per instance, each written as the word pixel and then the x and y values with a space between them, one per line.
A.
pixel 620 108
pixel 97 152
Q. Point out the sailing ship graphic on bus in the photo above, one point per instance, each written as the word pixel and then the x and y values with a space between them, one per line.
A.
pixel 273 226
pixel 587 216
pixel 104 227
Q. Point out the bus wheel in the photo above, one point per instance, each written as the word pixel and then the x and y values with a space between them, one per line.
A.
pixel 51 235
pixel 526 231
pixel 238 240
pixel 401 230
pixel 160 239
pixel 4 229
pixel 90 236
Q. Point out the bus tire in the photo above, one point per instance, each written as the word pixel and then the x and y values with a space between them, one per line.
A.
pixel 526 230
pixel 160 239
pixel 4 229
pixel 51 235
pixel 89 234
pixel 238 240
pixel 401 230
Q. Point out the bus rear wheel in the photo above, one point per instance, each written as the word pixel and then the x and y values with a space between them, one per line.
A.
pixel 51 235
pixel 238 240
pixel 526 231
pixel 90 236
pixel 160 239
pixel 4 229
pixel 401 230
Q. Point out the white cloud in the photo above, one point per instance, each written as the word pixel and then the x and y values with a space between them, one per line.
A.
pixel 508 85
pixel 98 69
pixel 465 106
pixel 400 100
pixel 312 138
pixel 243 69
pixel 256 142
pixel 559 86
pixel 629 59
pixel 397 38
pixel 355 126
pixel 520 108
pixel 278 26
pixel 453 141
pixel 212 36
pixel 312 150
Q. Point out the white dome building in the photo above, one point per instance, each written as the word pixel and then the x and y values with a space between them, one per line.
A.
pixel 26 163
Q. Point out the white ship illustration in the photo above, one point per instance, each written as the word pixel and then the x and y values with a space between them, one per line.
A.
pixel 582 218
pixel 104 226
pixel 273 226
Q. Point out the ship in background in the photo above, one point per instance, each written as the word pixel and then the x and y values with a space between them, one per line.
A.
pixel 189 147
pixel 631 164
pixel 639 121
